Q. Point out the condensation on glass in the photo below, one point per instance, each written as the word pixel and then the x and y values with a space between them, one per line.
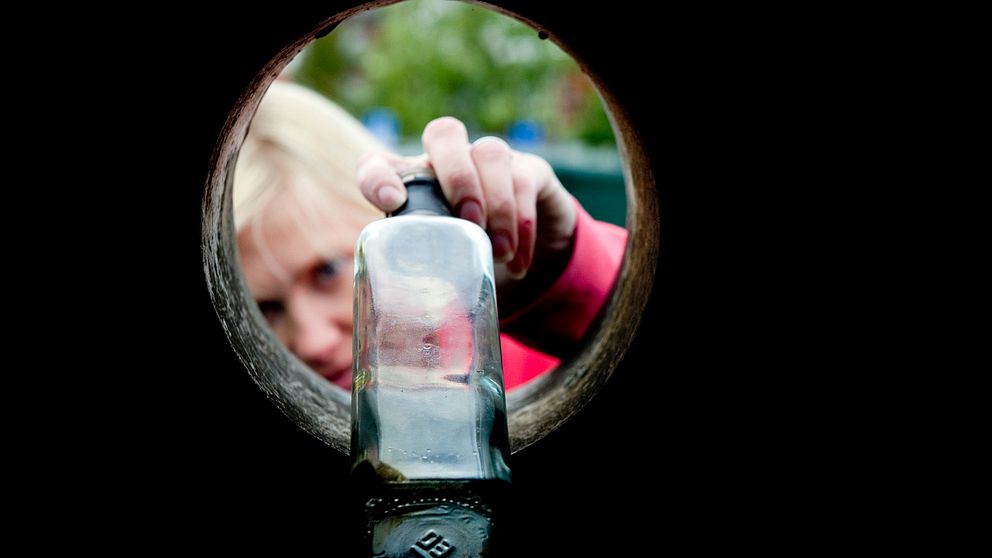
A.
pixel 428 399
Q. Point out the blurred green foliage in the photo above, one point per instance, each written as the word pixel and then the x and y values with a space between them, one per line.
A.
pixel 427 58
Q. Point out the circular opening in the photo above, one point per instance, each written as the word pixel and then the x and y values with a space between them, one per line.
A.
pixel 324 410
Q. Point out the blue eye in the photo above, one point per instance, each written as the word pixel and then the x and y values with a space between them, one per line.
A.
pixel 328 274
pixel 327 270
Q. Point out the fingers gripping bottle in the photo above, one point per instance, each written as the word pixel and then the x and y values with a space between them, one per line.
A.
pixel 429 439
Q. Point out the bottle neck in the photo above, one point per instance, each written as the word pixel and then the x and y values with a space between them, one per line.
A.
pixel 423 197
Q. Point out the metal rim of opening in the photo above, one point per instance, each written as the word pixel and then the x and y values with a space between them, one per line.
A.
pixel 323 410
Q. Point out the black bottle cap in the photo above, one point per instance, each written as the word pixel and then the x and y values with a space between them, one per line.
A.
pixel 423 195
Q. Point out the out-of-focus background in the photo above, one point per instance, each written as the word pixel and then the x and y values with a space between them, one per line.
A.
pixel 397 68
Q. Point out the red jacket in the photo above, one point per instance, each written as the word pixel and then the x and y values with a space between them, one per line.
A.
pixel 557 321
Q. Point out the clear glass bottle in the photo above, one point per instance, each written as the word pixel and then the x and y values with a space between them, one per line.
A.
pixel 428 406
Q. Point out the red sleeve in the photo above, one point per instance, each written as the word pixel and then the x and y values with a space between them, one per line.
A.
pixel 522 363
pixel 558 320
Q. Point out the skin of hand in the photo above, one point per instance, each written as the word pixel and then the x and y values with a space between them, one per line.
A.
pixel 516 197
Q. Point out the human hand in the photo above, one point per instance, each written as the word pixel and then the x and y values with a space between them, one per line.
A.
pixel 514 196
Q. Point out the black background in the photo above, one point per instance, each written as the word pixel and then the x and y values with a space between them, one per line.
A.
pixel 704 438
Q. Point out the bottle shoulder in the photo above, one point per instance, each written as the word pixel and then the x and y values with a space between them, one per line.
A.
pixel 424 245
pixel 443 225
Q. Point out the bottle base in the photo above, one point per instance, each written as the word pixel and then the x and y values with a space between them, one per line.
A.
pixel 433 519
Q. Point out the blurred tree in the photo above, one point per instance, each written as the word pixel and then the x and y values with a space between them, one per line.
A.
pixel 427 58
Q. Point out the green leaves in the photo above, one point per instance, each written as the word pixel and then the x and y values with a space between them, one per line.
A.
pixel 428 58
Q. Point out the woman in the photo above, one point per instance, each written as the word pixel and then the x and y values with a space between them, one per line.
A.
pixel 309 178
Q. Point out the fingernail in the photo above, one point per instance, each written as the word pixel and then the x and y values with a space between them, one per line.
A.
pixel 517 267
pixel 470 210
pixel 389 196
pixel 502 248
pixel 496 139
pixel 515 274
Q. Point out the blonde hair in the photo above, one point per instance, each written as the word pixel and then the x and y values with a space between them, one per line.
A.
pixel 302 145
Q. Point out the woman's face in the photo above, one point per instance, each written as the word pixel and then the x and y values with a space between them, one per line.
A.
pixel 300 272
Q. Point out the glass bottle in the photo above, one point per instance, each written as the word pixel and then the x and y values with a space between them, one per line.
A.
pixel 429 433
